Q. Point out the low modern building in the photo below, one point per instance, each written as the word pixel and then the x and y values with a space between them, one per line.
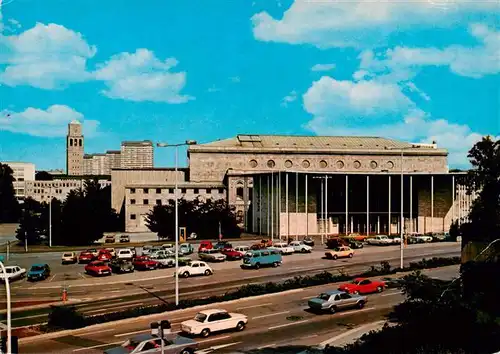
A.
pixel 21 171
pixel 42 191
pixel 311 185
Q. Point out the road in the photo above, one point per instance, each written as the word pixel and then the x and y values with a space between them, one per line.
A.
pixel 274 320
pixel 102 295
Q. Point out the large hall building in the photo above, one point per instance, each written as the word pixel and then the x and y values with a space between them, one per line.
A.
pixel 285 186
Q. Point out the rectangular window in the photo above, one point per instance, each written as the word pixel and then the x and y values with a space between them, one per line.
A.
pixel 132 201
pixel 145 190
pixel 183 190
pixel 158 201
pixel 196 191
pixel 132 216
pixel 221 190
pixel 132 190
pixel 209 190
pixel 145 201
pixel 158 190
pixel 171 191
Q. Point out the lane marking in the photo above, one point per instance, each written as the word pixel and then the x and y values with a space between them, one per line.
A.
pixel 80 274
pixel 130 333
pixel 267 346
pixel 311 336
pixel 212 339
pixel 356 311
pixel 308 297
pixel 288 324
pixel 52 278
pixel 97 346
pixel 98 332
pixel 391 294
pixel 271 314
pixel 349 332
pixel 129 304
pixel 253 306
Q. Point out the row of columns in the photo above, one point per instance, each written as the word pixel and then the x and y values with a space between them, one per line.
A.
pixel 273 181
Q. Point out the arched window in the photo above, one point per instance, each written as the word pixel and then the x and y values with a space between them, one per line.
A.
pixel 79 142
pixel 70 142
pixel 239 192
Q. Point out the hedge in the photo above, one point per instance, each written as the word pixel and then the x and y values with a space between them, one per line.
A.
pixel 67 317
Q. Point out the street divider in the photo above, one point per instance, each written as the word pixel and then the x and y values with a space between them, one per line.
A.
pixel 67 317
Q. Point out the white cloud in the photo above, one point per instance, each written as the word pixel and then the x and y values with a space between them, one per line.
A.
pixel 235 79
pixel 374 108
pixel 402 62
pixel 45 123
pixel 291 97
pixel 361 23
pixel 45 56
pixel 141 76
pixel 413 88
pixel 323 67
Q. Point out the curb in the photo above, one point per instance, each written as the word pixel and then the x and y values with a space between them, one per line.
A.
pixel 377 325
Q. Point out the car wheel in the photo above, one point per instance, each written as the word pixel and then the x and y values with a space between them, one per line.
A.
pixel 350 255
pixel 275 264
pixel 335 256
pixel 240 326
pixel 185 274
pixel 205 333
pixel 380 289
pixel 208 272
pixel 303 250
pixel 257 265
pixel 361 304
pixel 186 351
pixel 333 309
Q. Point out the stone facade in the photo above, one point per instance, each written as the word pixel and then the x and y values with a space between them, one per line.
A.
pixel 42 191
pixel 74 149
pixel 22 172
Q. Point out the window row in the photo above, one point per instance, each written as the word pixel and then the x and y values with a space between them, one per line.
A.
pixel 146 202
pixel 64 184
pixel 339 164
pixel 75 142
pixel 46 191
pixel 183 190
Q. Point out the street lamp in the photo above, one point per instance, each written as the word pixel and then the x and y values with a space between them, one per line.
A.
pixel 7 290
pixel 176 146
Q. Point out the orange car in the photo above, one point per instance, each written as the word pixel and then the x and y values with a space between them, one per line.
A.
pixel 262 244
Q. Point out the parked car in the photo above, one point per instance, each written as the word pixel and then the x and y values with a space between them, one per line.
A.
pixel 12 273
pixel 104 256
pixel 212 255
pixel 69 258
pixel 192 236
pixel 379 240
pixel 121 266
pixel 242 249
pixel 309 241
pixel 144 263
pixel 148 343
pixel 392 282
pixel 85 257
pixel 109 239
pixel 205 245
pixel 124 239
pixel 419 238
pixel 357 237
pixel 93 251
pixel 210 321
pixel 124 253
pixel 147 250
pixel 163 253
pixel 300 246
pixel 362 286
pixel 336 242
pixel 195 268
pixel 38 272
pixel 340 252
pixel 97 268
pixel 355 244
pixel 222 244
pixel 259 258
pixel 186 248
pixel 336 300
pixel 231 254
pixel 262 244
pixel 168 246
pixel 283 248
pixel 163 260
pixel 395 240
pixel 111 251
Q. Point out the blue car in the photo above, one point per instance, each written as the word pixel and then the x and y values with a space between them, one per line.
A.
pixel 262 258
pixel 38 272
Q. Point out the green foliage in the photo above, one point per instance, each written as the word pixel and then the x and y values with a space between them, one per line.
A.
pixel 454 230
pixel 9 206
pixel 201 217
pixel 65 317
pixel 30 225
pixel 258 289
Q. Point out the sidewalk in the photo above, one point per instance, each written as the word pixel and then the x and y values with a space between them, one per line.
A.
pixel 352 335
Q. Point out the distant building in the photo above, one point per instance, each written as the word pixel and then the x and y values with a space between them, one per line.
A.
pixel 56 172
pixel 95 165
pixel 114 159
pixel 74 149
pixel 41 191
pixel 22 171
pixel 136 154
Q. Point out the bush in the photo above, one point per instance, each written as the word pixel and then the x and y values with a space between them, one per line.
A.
pixel 65 317
pixel 244 291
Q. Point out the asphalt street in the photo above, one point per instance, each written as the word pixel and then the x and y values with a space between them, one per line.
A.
pixel 100 295
pixel 274 320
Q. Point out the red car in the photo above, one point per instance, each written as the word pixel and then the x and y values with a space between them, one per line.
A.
pixel 104 256
pixel 145 263
pixel 363 286
pixel 85 257
pixel 231 254
pixel 205 245
pixel 97 268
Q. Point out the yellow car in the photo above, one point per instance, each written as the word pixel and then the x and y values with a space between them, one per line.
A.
pixel 69 258
pixel 339 252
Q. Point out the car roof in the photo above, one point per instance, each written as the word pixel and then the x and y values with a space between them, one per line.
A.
pixel 359 279
pixel 39 264
pixel 211 311
pixel 143 337
pixel 334 292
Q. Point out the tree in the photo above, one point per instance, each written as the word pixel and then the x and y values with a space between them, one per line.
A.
pixel 9 206
pixel 30 226
pixel 43 176
pixel 201 217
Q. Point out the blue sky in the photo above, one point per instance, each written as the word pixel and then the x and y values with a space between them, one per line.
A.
pixel 205 70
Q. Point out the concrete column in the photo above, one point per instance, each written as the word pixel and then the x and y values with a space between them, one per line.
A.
pixel 286 208
pixel 378 224
pixel 278 205
pixel 322 213
pixel 327 219
pixel 296 206
pixel 432 203
pixel 307 209
pixel 260 205
pixel 245 203
pixel 268 205
pixel 390 202
pixel 367 205
pixel 411 205
pixel 352 223
pixel 347 204
pixel 272 206
pixel 452 199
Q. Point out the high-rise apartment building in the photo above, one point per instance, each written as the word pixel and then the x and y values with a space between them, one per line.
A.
pixel 137 154
pixel 95 165
pixel 114 159
pixel 74 149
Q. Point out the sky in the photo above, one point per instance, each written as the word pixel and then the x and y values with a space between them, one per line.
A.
pixel 170 71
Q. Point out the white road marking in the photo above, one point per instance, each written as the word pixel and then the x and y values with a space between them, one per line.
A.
pixel 390 294
pixel 97 346
pixel 251 307
pixel 311 336
pixel 308 297
pixel 80 274
pixel 267 346
pixel 349 332
pixel 356 311
pixel 215 347
pixel 212 339
pixel 288 324
pixel 271 314
pixel 108 308
pixel 136 332
pixel 98 332
pixel 52 277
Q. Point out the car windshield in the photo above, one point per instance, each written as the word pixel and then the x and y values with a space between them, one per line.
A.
pixel 98 264
pixel 68 255
pixel 356 281
pixel 36 268
pixel 131 344
pixel 324 296
pixel 200 317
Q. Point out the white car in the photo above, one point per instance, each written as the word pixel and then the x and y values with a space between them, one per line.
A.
pixel 419 238
pixel 125 253
pixel 242 249
pixel 162 253
pixel 282 247
pixel 300 246
pixel 195 268
pixel 209 321
pixel 380 240
pixel 163 261
pixel 111 251
pixel 12 273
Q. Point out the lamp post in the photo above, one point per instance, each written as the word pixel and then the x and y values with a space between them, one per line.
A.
pixel 176 198
pixel 7 291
